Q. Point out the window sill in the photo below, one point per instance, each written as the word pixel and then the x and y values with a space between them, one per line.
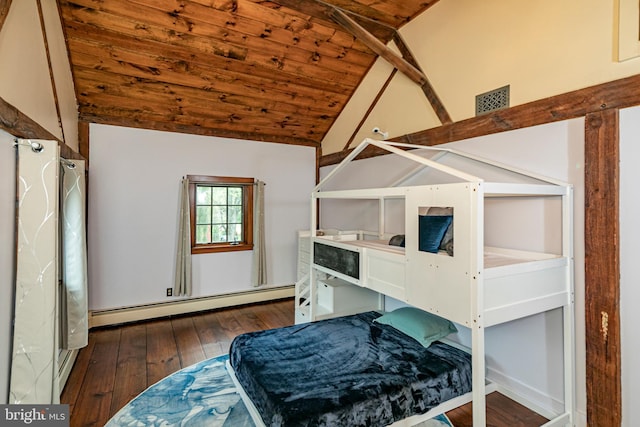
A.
pixel 206 249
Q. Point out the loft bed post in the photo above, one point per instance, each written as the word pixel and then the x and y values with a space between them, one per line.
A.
pixel 312 273
pixel 568 311
pixel 477 306
pixel 381 215
pixel 479 389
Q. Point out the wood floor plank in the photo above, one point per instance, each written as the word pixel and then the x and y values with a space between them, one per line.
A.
pixel 501 411
pixel 229 324
pixel 162 352
pixel 72 388
pixel 276 315
pixel 109 371
pixel 94 402
pixel 214 341
pixel 131 370
pixel 187 341
pixel 249 320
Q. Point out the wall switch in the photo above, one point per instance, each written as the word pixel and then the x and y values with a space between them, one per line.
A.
pixel 169 292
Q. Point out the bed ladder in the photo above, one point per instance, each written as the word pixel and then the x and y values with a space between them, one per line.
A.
pixel 303 299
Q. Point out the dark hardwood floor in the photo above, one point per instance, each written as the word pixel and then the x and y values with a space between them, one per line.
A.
pixel 122 361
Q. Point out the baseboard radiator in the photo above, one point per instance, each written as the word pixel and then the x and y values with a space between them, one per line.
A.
pixel 163 309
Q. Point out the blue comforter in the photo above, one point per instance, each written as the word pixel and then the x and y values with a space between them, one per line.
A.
pixel 347 371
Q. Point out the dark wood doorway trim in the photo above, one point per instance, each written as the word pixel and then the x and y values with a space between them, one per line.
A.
pixel 602 268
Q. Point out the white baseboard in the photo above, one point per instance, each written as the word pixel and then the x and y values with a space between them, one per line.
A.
pixel 534 399
pixel 151 311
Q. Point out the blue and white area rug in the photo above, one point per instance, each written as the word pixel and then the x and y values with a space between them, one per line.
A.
pixel 202 395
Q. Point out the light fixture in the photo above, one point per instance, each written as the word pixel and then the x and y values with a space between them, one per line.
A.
pixel 383 134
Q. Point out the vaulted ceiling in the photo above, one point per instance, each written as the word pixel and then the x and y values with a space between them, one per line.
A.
pixel 278 71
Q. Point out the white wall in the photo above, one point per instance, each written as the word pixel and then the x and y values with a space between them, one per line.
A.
pixel 629 267
pixel 525 355
pixel 134 183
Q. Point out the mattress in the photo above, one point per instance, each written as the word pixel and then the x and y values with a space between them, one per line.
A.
pixel 347 371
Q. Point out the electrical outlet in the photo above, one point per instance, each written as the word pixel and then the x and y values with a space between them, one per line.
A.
pixel 169 292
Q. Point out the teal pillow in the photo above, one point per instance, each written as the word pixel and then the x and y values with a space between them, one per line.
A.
pixel 418 324
pixel 431 230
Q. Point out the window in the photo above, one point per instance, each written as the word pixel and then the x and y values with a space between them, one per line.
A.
pixel 221 213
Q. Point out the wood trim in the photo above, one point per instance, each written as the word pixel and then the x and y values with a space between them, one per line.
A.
pixel 5 5
pixel 247 207
pixel 83 139
pixel 378 47
pixel 371 107
pixel 20 125
pixel 323 11
pixel 427 89
pixel 602 268
pixel 616 94
pixel 196 130
pixel 56 101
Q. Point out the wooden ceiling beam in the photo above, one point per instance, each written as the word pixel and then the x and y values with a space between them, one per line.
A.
pixel 5 5
pixel 139 123
pixel 324 11
pixel 379 48
pixel 620 93
pixel 20 125
pixel 409 67
pixel 427 89
pixel 406 63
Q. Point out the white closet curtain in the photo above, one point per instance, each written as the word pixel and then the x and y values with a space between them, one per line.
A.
pixel 34 362
pixel 182 284
pixel 259 270
pixel 73 300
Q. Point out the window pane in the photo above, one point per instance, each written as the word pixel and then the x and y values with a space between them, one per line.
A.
pixel 235 231
pixel 235 196
pixel 219 195
pixel 219 215
pixel 203 195
pixel 235 214
pixel 203 215
pixel 219 208
pixel 203 234
pixel 219 233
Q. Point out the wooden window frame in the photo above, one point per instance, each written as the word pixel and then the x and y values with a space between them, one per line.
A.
pixel 247 208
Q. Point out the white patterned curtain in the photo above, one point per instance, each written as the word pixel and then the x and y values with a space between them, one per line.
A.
pixel 34 362
pixel 259 270
pixel 73 311
pixel 182 284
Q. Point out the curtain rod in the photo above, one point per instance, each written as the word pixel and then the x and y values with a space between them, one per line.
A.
pixel 36 147
pixel 68 163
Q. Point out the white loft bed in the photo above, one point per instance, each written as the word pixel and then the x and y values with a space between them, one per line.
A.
pixel 478 286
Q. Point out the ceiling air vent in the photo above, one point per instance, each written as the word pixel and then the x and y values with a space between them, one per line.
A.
pixel 493 100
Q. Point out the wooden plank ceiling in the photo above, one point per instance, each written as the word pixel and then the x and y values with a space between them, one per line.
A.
pixel 278 71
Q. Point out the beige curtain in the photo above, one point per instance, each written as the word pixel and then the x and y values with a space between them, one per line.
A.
pixel 259 270
pixel 73 300
pixel 182 284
